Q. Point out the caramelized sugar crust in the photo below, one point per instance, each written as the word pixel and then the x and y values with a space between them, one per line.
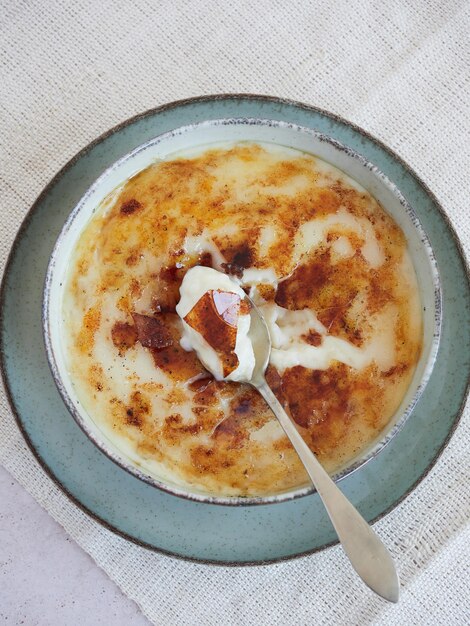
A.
pixel 215 318
pixel 155 399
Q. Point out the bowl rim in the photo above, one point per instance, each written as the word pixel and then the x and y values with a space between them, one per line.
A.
pixel 382 439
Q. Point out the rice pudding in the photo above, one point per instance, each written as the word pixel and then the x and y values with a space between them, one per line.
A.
pixel 326 264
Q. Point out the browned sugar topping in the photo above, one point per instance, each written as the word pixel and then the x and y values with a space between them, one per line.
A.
pixel 215 318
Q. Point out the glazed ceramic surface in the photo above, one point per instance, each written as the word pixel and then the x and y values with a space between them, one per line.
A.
pixel 184 141
pixel 195 530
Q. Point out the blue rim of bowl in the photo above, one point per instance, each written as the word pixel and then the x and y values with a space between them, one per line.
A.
pixel 120 459
pixel 55 180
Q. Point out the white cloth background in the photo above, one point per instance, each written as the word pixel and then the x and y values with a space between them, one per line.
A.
pixel 401 70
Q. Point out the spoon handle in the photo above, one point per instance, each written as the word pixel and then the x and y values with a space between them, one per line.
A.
pixel 368 555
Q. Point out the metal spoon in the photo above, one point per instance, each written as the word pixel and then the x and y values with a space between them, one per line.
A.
pixel 368 555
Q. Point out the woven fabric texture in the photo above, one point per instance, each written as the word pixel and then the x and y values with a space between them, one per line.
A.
pixel 401 70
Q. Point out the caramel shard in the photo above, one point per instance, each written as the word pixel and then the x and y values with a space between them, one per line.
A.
pixel 227 306
pixel 131 206
pixel 124 336
pixel 241 258
pixel 313 338
pixel 152 332
pixel 215 317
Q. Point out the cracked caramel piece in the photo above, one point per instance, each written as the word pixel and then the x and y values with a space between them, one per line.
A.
pixel 215 318
pixel 151 332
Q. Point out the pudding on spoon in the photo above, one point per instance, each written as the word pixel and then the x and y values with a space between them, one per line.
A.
pixel 216 320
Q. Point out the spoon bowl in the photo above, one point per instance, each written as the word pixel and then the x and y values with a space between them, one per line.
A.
pixel 261 342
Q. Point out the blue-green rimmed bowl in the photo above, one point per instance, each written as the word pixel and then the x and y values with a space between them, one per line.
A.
pixel 194 530
pixel 184 140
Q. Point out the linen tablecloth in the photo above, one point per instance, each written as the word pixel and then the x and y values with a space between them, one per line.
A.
pixel 401 70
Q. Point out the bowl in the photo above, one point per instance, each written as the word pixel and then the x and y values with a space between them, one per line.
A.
pixel 193 137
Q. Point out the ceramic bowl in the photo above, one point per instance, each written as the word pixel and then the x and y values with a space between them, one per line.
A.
pixel 182 141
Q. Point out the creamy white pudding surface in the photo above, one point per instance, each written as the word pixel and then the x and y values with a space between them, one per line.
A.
pixel 182 242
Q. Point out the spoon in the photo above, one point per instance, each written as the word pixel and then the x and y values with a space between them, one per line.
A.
pixel 368 555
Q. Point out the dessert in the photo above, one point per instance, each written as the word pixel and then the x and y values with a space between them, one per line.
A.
pixel 328 267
